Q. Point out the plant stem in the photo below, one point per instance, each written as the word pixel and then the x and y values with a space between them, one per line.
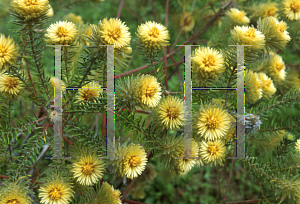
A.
pixel 66 62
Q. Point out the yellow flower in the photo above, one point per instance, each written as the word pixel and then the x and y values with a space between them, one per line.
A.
pixel 188 21
pixel 207 63
pixel 281 32
pixel 290 136
pixel 199 162
pixel 50 12
pixel 62 32
pixel 55 192
pixel 53 80
pixel 267 86
pixel 88 169
pixel 10 86
pixel 213 122
pixel 213 151
pixel 31 8
pixel 117 195
pixel 92 90
pixel 114 32
pixel 277 69
pixel 133 162
pixel 253 87
pixel 8 52
pixel 237 16
pixel 153 36
pixel 14 194
pixel 149 90
pixel 297 146
pixel 185 165
pixel 232 130
pixel 73 18
pixel 264 10
pixel 248 36
pixel 291 9
pixel 171 112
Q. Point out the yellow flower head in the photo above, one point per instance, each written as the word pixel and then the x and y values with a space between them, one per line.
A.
pixel 149 90
pixel 61 32
pixel 14 194
pixel 171 112
pixel 153 36
pixel 10 86
pixel 188 21
pixel 264 10
pixel 232 130
pixel 267 86
pixel 31 8
pixel 237 16
pixel 92 90
pixel 114 32
pixel 291 9
pixel 297 146
pixel 253 87
pixel 185 165
pixel 73 18
pixel 281 32
pixel 213 122
pixel 53 80
pixel 116 196
pixel 50 13
pixel 134 161
pixel 88 169
pixel 277 69
pixel 213 152
pixel 8 52
pixel 207 63
pixel 248 36
pixel 55 191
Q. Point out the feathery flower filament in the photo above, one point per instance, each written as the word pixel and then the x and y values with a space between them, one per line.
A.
pixel 88 168
pixel 280 66
pixel 13 201
pixel 250 33
pixel 55 194
pixel 212 122
pixel 295 6
pixel 209 61
pixel 213 150
pixel 135 161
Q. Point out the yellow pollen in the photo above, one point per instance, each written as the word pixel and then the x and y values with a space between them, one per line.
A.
pixel 258 83
pixel 150 90
pixel 11 83
pixel 2 51
pixel 188 20
pixel 88 169
pixel 134 161
pixel 61 32
pixel 55 194
pixel 114 33
pixel 13 201
pixel 209 61
pixel 295 7
pixel 250 33
pixel 212 150
pixel 271 12
pixel 242 14
pixel 281 27
pixel 268 83
pixel 154 32
pixel 212 122
pixel 279 66
pixel 31 2
pixel 172 113
pixel 88 93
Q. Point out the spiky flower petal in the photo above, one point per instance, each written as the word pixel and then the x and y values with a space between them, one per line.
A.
pixel 170 112
pixel 8 52
pixel 153 36
pixel 291 9
pixel 61 32
pixel 114 32
pixel 213 152
pixel 14 193
pixel 149 90
pixel 237 16
pixel 56 191
pixel 264 10
pixel 91 90
pixel 10 86
pixel 213 122
pixel 88 169
pixel 267 86
pixel 253 87
pixel 31 8
pixel 207 63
